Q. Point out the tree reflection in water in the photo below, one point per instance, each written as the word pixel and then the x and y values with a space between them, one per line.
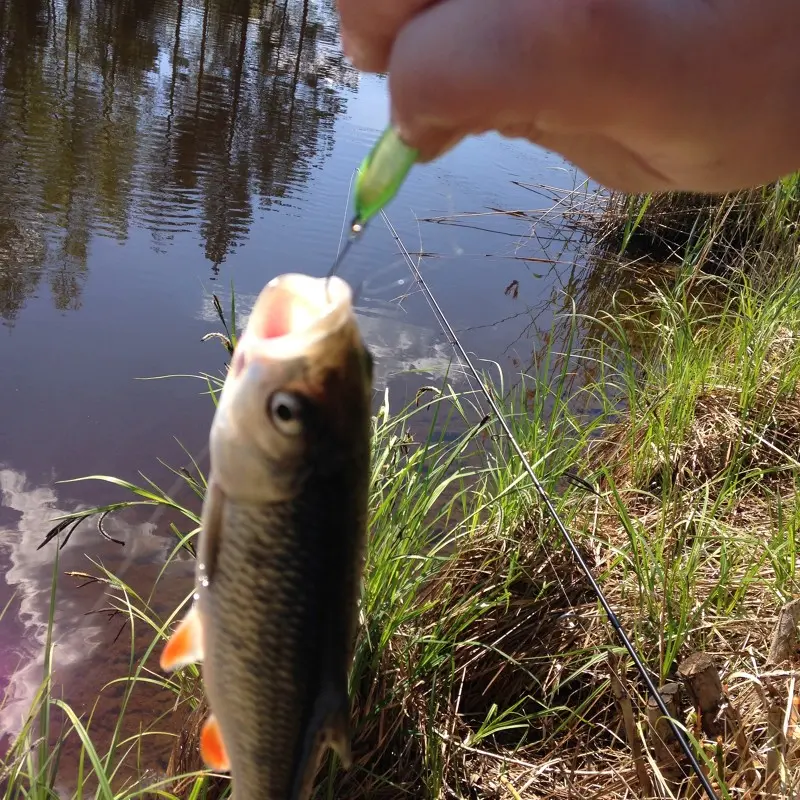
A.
pixel 173 115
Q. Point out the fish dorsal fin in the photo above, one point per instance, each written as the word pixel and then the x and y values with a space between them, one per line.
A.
pixel 329 727
pixel 210 527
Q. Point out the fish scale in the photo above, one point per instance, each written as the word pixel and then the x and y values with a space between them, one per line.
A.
pixel 277 633
pixel 259 595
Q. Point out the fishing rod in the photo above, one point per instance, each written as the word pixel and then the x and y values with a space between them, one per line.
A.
pixel 585 568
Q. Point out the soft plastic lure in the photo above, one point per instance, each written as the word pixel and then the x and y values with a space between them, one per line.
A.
pixel 379 178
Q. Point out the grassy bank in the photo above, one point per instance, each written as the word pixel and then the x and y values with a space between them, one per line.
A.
pixel 755 230
pixel 484 666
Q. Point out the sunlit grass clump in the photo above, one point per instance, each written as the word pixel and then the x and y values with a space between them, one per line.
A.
pixel 484 667
pixel 755 230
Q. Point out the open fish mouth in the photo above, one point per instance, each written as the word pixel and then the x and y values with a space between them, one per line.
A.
pixel 291 315
pixel 292 304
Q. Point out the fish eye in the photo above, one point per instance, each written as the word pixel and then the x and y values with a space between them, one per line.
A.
pixel 286 413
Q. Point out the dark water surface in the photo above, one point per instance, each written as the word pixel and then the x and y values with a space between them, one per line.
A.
pixel 153 152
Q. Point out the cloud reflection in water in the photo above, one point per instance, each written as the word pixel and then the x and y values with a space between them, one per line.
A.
pixel 29 574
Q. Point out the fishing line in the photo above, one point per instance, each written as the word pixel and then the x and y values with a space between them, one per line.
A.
pixel 344 225
pixel 355 232
pixel 336 264
pixel 343 251
pixel 612 617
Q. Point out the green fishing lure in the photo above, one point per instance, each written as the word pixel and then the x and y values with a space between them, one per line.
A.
pixel 380 176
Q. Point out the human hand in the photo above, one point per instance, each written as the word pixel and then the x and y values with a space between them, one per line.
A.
pixel 642 95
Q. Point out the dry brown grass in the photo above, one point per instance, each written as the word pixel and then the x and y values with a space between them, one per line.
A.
pixel 715 500
pixel 718 233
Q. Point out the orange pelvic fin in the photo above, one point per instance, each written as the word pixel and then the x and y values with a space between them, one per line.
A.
pixel 212 748
pixel 185 646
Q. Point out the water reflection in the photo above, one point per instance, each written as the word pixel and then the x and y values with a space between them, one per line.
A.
pixel 174 116
pixel 27 509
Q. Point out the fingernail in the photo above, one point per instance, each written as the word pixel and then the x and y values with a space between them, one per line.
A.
pixel 430 141
pixel 350 50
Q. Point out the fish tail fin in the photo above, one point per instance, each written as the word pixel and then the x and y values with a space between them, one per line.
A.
pixel 329 727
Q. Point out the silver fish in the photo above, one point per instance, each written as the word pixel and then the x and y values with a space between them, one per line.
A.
pixel 280 552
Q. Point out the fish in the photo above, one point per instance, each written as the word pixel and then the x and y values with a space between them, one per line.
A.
pixel 283 531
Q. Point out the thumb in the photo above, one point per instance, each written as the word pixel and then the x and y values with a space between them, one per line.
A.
pixel 466 66
pixel 542 69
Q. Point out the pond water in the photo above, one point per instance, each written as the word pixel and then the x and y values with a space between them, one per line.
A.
pixel 153 152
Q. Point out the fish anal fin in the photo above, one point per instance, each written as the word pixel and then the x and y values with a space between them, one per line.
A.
pixel 212 748
pixel 185 645
pixel 329 727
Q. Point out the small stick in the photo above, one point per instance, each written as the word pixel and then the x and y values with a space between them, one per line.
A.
pixel 624 700
pixel 776 745
pixel 791 732
pixel 784 637
pixel 668 754
pixel 510 786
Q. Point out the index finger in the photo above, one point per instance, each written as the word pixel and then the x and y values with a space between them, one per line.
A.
pixel 369 28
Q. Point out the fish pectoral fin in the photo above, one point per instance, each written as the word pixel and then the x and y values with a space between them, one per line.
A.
pixel 212 748
pixel 185 645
